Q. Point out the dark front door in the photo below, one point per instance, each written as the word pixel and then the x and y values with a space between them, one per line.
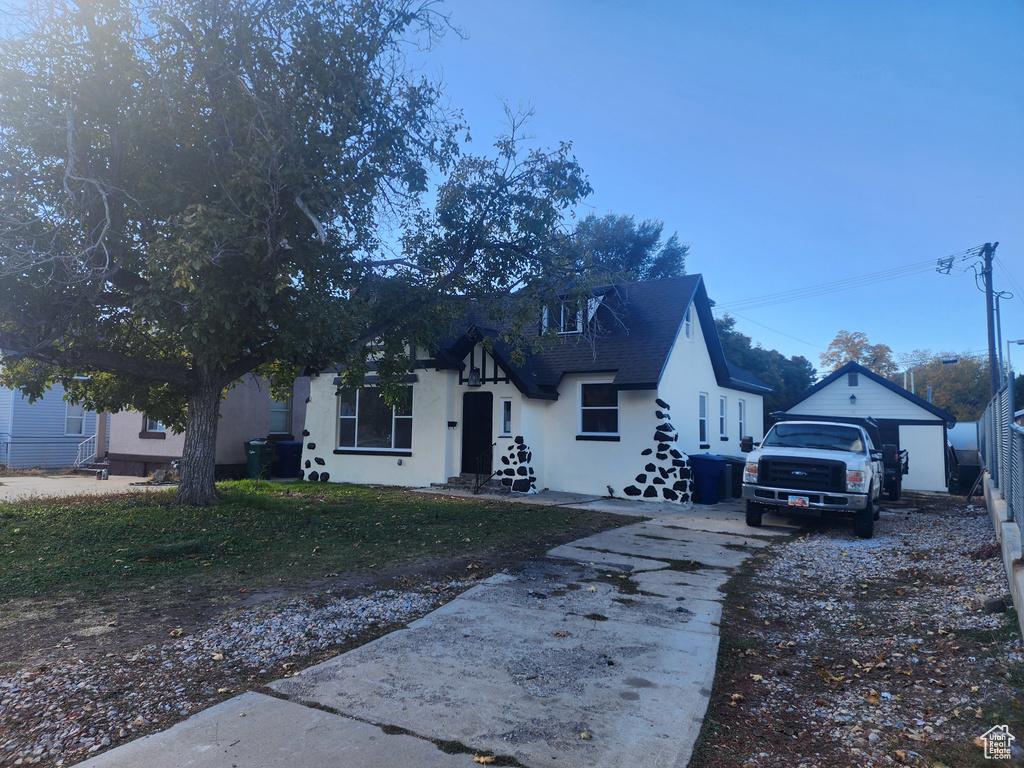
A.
pixel 477 430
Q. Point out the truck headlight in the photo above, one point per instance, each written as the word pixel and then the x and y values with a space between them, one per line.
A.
pixel 855 482
pixel 750 472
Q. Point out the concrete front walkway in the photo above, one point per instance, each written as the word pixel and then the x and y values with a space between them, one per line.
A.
pixel 600 654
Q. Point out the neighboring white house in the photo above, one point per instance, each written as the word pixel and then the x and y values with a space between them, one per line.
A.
pixel 50 433
pixel 139 445
pixel 635 382
pixel 904 419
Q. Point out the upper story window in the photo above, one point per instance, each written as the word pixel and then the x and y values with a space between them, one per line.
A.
pixel 853 379
pixel 366 421
pixel 688 323
pixel 281 416
pixel 564 318
pixel 74 419
pixel 599 409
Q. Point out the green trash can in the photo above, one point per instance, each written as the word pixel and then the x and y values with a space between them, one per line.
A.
pixel 259 455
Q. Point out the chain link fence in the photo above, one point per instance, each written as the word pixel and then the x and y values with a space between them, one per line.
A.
pixel 1001 443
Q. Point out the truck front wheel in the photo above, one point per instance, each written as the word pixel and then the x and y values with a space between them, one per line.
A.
pixel 864 521
pixel 754 512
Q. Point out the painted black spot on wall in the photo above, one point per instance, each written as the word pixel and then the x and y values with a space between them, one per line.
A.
pixel 319 461
pixel 314 476
pixel 311 446
pixel 518 475
pixel 308 464
pixel 661 404
pixel 324 477
pixel 305 433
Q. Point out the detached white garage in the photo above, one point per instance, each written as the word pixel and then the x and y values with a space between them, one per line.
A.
pixel 913 424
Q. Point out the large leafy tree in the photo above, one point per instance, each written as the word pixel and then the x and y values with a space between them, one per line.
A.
pixel 614 247
pixel 787 376
pixel 854 347
pixel 192 190
pixel 959 383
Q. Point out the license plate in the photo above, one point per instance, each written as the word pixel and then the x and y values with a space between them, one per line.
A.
pixel 799 501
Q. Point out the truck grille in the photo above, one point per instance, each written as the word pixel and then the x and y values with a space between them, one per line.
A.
pixel 802 474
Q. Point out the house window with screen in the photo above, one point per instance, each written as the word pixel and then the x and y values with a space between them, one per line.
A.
pixel 722 420
pixel 742 417
pixel 506 417
pixel 702 419
pixel 281 416
pixel 599 409
pixel 74 419
pixel 367 422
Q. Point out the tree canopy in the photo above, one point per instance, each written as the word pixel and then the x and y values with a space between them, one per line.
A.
pixel 959 383
pixel 615 248
pixel 854 347
pixel 193 190
pixel 788 377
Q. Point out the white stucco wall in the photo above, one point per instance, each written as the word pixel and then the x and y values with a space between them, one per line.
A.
pixel 689 372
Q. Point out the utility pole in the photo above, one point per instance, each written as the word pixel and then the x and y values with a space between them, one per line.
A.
pixel 987 252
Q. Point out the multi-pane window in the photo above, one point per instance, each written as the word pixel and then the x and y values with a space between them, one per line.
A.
pixel 599 409
pixel 367 421
pixel 153 425
pixel 281 416
pixel 74 419
pixel 742 414
pixel 702 417
pixel 722 421
pixel 506 417
pixel 566 319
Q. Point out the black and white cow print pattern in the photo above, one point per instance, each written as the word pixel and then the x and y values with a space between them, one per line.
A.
pixel 666 475
pixel 516 472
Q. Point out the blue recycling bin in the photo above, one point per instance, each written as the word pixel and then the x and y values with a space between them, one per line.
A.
pixel 289 458
pixel 707 474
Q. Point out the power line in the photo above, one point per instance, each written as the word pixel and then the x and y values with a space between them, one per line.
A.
pixel 773 330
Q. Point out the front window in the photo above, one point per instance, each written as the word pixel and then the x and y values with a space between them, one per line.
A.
pixel 722 422
pixel 742 414
pixel 599 409
pixel 281 416
pixel 506 417
pixel 365 420
pixel 702 418
pixel 74 419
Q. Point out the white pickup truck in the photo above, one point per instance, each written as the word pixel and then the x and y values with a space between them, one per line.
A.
pixel 815 468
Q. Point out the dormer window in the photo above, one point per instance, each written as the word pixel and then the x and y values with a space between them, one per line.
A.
pixel 565 319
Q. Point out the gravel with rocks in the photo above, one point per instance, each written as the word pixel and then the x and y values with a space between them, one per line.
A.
pixel 838 651
pixel 61 713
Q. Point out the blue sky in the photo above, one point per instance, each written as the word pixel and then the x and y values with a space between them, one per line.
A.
pixel 791 143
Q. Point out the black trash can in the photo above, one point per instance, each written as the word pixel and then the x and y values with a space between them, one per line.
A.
pixel 737 465
pixel 707 473
pixel 289 458
pixel 259 455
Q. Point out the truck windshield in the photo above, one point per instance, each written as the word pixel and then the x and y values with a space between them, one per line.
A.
pixel 830 437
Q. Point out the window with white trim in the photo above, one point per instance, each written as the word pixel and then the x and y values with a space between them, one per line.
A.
pixel 702 419
pixel 74 419
pixel 367 422
pixel 281 416
pixel 565 318
pixel 741 412
pixel 599 409
pixel 153 425
pixel 722 420
pixel 506 417
pixel 688 323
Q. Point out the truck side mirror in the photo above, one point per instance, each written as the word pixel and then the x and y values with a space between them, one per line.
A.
pixel 746 444
pixel 876 454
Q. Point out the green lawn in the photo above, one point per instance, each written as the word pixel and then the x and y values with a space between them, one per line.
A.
pixel 258 534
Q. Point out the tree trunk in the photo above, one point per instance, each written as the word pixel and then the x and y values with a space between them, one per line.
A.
pixel 197 487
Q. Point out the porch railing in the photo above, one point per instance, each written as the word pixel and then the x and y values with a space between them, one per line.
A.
pixel 86 452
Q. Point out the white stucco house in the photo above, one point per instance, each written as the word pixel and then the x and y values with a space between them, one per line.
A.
pixel 904 420
pixel 635 383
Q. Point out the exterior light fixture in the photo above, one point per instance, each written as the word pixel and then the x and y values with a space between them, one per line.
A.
pixel 474 377
pixel 853 399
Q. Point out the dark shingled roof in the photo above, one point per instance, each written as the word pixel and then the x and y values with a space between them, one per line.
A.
pixel 638 324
